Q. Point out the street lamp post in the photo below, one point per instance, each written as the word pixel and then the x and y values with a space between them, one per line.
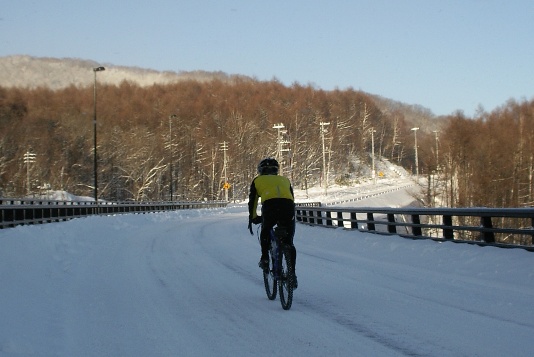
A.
pixel 416 158
pixel 171 156
pixel 95 69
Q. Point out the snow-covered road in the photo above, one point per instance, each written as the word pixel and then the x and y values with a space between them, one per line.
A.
pixel 187 284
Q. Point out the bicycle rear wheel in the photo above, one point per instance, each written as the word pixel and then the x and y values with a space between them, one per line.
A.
pixel 287 278
pixel 269 280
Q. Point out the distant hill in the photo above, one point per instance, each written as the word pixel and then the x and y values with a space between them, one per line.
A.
pixel 414 114
pixel 23 71
pixel 56 73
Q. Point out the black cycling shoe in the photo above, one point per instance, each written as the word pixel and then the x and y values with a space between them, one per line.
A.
pixel 295 282
pixel 264 263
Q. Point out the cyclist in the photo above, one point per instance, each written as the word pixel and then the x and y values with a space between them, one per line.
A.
pixel 277 207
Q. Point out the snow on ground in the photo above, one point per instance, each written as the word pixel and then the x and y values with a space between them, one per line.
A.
pixel 186 283
pixel 383 193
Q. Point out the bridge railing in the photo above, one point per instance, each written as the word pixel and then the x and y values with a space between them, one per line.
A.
pixel 503 227
pixel 14 212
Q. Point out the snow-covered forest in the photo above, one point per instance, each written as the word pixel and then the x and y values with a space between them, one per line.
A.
pixel 190 137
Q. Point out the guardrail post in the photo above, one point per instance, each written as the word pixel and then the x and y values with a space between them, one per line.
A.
pixel 8 215
pixel 353 220
pixel 488 237
pixel 448 233
pixel 391 227
pixel 29 215
pixel 370 223
pixel 329 218
pixel 340 222
pixel 416 230
pixel 47 213
pixel 304 216
pixel 319 217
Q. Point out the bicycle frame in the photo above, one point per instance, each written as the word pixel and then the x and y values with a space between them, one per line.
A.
pixel 279 277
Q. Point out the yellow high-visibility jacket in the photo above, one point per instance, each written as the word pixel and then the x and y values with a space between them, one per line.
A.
pixel 268 187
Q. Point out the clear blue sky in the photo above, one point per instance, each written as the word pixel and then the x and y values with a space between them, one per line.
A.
pixel 443 55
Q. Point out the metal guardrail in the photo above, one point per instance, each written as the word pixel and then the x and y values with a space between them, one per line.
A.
pixel 502 227
pixel 367 195
pixel 15 212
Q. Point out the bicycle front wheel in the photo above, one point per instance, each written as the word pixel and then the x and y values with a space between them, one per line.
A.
pixel 287 278
pixel 269 280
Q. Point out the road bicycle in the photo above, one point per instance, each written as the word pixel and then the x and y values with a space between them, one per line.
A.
pixel 279 276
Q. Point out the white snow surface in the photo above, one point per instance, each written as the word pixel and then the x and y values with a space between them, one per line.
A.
pixel 186 283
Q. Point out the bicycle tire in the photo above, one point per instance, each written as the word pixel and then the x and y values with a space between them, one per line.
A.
pixel 287 278
pixel 269 280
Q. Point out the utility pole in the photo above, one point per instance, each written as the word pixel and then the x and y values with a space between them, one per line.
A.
pixel 279 131
pixel 436 172
pixel 325 176
pixel 285 149
pixel 171 156
pixel 373 172
pixel 95 160
pixel 29 158
pixel 416 158
pixel 437 148
pixel 226 186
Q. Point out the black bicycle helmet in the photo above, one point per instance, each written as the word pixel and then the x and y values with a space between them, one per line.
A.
pixel 268 166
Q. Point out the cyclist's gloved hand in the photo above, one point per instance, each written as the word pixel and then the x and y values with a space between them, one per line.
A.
pixel 256 220
pixel 250 225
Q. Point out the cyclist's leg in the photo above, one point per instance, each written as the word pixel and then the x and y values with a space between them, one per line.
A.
pixel 268 223
pixel 287 219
